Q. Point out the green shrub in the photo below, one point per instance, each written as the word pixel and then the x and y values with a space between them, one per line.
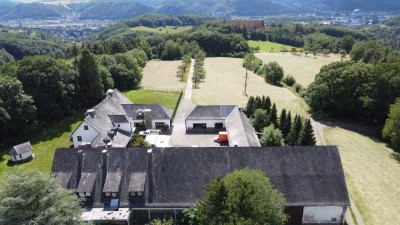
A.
pixel 289 80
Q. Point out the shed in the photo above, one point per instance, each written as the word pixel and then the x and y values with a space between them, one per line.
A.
pixel 21 152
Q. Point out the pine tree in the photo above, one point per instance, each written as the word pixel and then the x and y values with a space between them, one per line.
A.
pixel 295 130
pixel 263 101
pixel 307 137
pixel 282 120
pixel 260 120
pixel 273 117
pixel 268 104
pixel 287 126
pixel 90 82
pixel 250 107
pixel 258 103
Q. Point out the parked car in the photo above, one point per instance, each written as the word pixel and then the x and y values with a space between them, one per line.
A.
pixel 150 132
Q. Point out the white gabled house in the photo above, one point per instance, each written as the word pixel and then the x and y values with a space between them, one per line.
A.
pixel 112 122
pixel 21 152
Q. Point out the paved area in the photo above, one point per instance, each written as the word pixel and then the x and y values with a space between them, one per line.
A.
pixel 158 140
pixel 179 138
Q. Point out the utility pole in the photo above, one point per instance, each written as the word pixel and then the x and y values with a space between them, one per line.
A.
pixel 245 84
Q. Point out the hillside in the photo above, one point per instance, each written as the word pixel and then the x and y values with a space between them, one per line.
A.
pixel 110 10
pixel 376 5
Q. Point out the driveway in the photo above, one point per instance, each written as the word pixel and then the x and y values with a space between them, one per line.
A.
pixel 179 138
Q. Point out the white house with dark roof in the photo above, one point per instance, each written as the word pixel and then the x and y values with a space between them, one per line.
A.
pixel 112 122
pixel 163 182
pixel 21 152
pixel 229 118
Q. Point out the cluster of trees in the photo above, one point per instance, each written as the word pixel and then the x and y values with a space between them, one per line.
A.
pixel 375 52
pixel 391 130
pixel 272 72
pixel 278 131
pixel 38 90
pixel 241 197
pixel 26 43
pixel 34 197
pixel 358 90
pixel 184 67
pixel 199 72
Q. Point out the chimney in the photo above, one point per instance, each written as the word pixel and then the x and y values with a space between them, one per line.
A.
pixel 150 175
pixel 104 156
pixel 147 118
pixel 91 113
pixel 80 167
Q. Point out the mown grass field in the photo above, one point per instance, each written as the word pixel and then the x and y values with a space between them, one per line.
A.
pixel 302 68
pixel 44 144
pixel 161 75
pixel 153 97
pixel 267 46
pixel 163 30
pixel 372 174
pixel 57 136
pixel 224 84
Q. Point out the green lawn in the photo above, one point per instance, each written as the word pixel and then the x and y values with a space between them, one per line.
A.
pixel 167 99
pixel 163 30
pixel 45 143
pixel 266 46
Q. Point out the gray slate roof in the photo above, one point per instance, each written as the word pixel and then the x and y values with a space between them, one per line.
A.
pixel 241 132
pixel 118 118
pixel 217 112
pixel 307 176
pixel 157 111
pixel 111 105
pixel 21 148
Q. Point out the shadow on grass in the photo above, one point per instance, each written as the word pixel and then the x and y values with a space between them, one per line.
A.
pixel 395 156
pixel 44 134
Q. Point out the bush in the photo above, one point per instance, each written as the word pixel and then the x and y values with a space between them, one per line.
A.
pixel 273 73
pixel 289 80
pixel 138 141
pixel 271 136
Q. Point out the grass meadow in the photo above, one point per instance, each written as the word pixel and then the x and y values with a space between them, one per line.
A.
pixel 161 75
pixel 302 68
pixel 224 84
pixel 372 174
pixel 163 30
pixel 267 46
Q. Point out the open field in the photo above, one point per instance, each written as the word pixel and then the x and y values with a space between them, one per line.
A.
pixel 153 97
pixel 163 30
pixel 372 175
pixel 224 84
pixel 45 143
pixel 161 75
pixel 267 46
pixel 301 67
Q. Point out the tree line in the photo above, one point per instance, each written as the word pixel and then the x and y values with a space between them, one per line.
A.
pixel 278 131
pixel 38 90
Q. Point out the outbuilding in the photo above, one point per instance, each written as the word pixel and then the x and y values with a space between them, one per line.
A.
pixel 21 152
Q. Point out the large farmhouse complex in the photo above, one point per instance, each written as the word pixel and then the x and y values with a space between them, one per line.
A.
pixel 138 185
pixel 112 122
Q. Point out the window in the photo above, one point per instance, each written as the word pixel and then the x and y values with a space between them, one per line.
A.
pixel 114 194
pixel 119 125
pixel 219 125
pixel 107 194
pixel 86 127
pixel 136 194
pixel 20 156
pixel 333 220
pixel 79 138
pixel 88 194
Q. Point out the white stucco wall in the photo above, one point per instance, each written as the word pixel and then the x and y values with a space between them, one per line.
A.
pixel 25 155
pixel 167 122
pixel 322 214
pixel 124 126
pixel 87 135
pixel 210 123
